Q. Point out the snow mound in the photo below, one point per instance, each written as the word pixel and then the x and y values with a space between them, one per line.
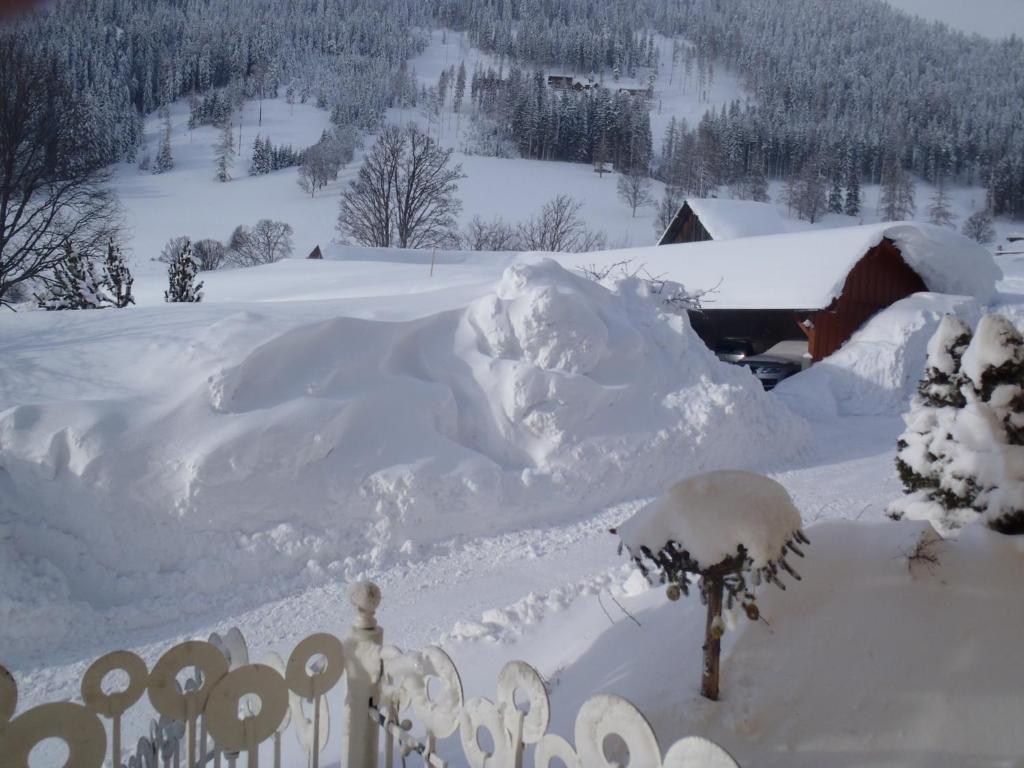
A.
pixel 241 470
pixel 713 514
pixel 877 370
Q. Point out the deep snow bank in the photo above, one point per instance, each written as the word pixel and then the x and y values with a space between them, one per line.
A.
pixel 338 445
pixel 873 659
pixel 877 370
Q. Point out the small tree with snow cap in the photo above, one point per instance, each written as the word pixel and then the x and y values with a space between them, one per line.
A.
pixel 181 277
pixel 731 529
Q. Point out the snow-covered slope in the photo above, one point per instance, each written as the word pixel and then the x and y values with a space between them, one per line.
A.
pixel 243 451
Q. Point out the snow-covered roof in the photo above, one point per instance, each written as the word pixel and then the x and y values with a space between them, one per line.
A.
pixel 807 270
pixel 729 219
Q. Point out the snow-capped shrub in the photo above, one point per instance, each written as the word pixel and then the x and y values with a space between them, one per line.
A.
pixel 962 455
pixel 731 529
pixel 925 447
pixel 181 275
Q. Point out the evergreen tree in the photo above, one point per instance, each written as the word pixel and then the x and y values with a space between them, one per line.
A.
pixel 835 197
pixel 164 160
pixel 117 277
pixel 460 87
pixel 225 153
pixel 181 274
pixel 75 284
pixel 992 424
pixel 261 157
pixel 852 203
pixel 926 448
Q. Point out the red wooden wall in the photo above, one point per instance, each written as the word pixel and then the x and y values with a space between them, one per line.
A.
pixel 879 279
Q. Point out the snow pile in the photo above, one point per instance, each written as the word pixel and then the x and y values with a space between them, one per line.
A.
pixel 712 514
pixel 189 457
pixel 877 370
pixel 895 649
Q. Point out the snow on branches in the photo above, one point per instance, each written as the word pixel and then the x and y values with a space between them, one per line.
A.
pixel 181 275
pixel 961 457
pixel 731 529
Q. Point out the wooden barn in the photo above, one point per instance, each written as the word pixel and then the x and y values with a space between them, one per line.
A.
pixel 698 220
pixel 820 285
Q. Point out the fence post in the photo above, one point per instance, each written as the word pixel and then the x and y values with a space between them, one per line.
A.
pixel 363 667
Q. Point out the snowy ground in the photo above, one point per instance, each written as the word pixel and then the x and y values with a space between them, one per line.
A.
pixel 124 434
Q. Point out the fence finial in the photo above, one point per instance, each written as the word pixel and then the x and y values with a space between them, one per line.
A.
pixel 365 598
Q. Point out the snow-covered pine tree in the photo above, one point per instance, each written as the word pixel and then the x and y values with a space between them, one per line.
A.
pixel 896 202
pixel 117 277
pixel 164 159
pixel 225 153
pixel 992 425
pixel 852 203
pixel 925 448
pixel 75 284
pixel 835 196
pixel 260 157
pixel 181 274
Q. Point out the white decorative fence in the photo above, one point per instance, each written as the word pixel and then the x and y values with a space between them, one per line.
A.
pixel 398 705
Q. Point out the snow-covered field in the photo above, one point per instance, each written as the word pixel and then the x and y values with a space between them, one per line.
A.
pixel 465 433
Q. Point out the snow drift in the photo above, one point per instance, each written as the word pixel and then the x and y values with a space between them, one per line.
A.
pixel 338 445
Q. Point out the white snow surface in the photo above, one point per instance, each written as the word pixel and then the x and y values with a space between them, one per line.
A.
pixel 726 219
pixel 807 270
pixel 712 514
pixel 876 371
pixel 243 452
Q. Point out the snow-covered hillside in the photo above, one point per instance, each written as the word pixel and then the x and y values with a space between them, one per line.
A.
pixel 992 18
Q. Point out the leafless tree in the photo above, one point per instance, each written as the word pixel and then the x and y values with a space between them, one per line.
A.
pixel 209 254
pixel 52 190
pixel 558 227
pixel 322 161
pixel 267 242
pixel 634 188
pixel 978 227
pixel 494 235
pixel 403 194
pixel 807 193
pixel 172 249
pixel 367 209
pixel 667 208
pixel 426 208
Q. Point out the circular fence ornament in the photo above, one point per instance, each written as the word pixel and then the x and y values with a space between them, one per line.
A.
pixel 164 692
pixel 75 725
pixel 518 675
pixel 233 732
pixel 310 685
pixel 477 714
pixel 551 747
pixel 273 660
pixel 439 712
pixel 114 704
pixel 697 752
pixel 606 714
pixel 8 695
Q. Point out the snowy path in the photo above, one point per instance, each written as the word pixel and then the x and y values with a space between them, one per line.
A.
pixel 845 473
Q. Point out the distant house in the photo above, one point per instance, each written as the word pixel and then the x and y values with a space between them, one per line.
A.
pixel 561 82
pixel 712 219
pixel 315 253
pixel 821 284
pixel 636 92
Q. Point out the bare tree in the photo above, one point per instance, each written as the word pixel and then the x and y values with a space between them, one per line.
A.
pixel 896 201
pixel 494 235
pixel 806 194
pixel 172 249
pixel 267 242
pixel 403 194
pixel 209 254
pixel 667 208
pixel 367 214
pixel 322 161
pixel 52 190
pixel 558 227
pixel 426 208
pixel 634 188
pixel 978 227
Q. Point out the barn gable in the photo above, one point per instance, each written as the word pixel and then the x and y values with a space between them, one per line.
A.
pixel 699 220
